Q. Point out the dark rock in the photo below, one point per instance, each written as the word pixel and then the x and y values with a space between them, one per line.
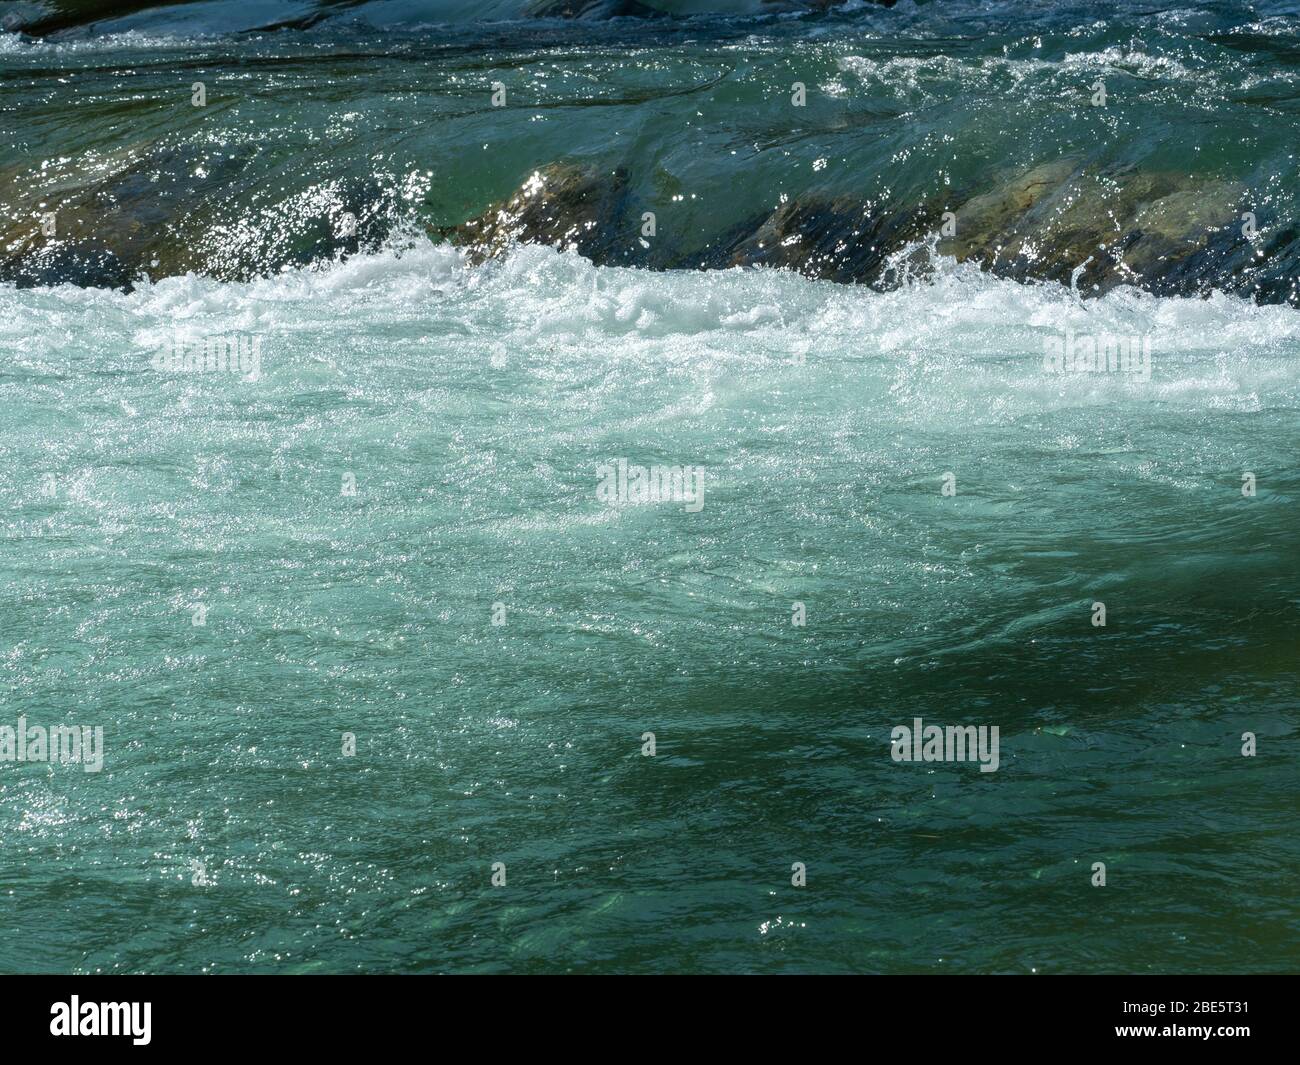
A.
pixel 150 210
pixel 586 210
pixel 593 9
pixel 1059 221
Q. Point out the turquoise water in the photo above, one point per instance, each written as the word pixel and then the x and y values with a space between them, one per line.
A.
pixel 471 404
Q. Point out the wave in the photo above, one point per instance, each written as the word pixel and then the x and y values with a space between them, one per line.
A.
pixel 1220 352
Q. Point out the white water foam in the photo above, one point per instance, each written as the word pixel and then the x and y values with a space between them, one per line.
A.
pixel 960 345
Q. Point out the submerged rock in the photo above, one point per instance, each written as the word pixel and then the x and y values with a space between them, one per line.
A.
pixel 1064 222
pixel 150 210
pixel 96 224
pixel 576 9
pixel 1059 221
pixel 831 240
pixel 109 219
pixel 41 18
pixel 581 209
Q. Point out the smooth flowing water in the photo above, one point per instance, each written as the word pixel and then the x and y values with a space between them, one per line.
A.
pixel 385 522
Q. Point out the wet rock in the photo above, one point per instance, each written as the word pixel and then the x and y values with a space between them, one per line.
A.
pixel 1058 221
pixel 1062 221
pixel 832 240
pixel 107 220
pixel 990 220
pixel 594 213
pixel 54 15
pixel 587 210
pixel 155 211
pixel 593 9
pixel 606 9
pixel 152 211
